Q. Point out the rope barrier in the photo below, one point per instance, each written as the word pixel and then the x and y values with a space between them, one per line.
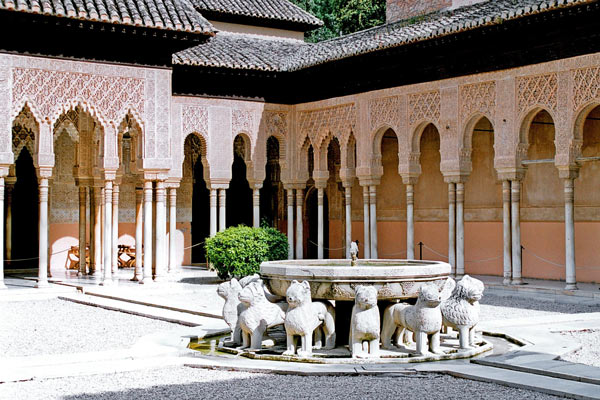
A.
pixel 592 268
pixel 35 258
pixel 194 245
pixel 326 248
pixel 435 252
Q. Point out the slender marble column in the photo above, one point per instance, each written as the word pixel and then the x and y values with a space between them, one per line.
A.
pixel 2 285
pixel 161 231
pixel 82 225
pixel 43 232
pixel 256 208
pixel 108 233
pixel 516 232
pixel 290 223
pixel 410 222
pixel 366 223
pixel 507 270
pixel 348 204
pixel 92 228
pixel 460 229
pixel 139 234
pixel 97 230
pixel 320 236
pixel 172 230
pixel 373 217
pixel 115 232
pixel 9 190
pixel 213 212
pixel 222 215
pixel 147 232
pixel 299 225
pixel 571 281
pixel 452 226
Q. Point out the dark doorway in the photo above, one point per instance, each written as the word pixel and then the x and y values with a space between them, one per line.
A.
pixel 25 232
pixel 239 194
pixel 271 190
pixel 312 218
pixel 200 213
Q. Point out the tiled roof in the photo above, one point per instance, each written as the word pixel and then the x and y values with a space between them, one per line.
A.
pixel 241 51
pixel 173 15
pixel 250 52
pixel 280 10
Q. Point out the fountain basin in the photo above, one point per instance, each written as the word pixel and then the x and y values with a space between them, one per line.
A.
pixel 336 279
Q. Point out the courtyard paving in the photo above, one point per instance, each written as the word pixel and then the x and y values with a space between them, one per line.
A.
pixel 61 349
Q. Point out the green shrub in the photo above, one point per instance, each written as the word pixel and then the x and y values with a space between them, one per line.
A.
pixel 239 251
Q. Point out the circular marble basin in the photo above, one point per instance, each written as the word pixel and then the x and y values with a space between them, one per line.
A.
pixel 336 279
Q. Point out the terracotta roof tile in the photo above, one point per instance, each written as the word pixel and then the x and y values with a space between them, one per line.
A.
pixel 252 52
pixel 173 15
pixel 281 10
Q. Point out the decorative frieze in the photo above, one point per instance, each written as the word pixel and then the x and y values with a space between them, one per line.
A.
pixel 586 86
pixel 384 111
pixel 195 119
pixel 538 90
pixel 340 121
pixel 477 98
pixel 424 107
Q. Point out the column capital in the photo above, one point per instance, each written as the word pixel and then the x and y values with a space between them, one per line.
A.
pixel 455 177
pixel 568 172
pixel 370 181
pixel 110 175
pixel 4 171
pixel 44 172
pixel 410 179
pixel 511 174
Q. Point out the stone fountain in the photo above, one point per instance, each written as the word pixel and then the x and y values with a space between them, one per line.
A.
pixel 364 304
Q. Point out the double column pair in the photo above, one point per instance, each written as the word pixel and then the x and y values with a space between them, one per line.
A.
pixel 221 196
pixel 290 223
pixel 456 227
pixel 370 221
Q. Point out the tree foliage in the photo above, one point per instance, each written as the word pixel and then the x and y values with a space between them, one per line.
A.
pixel 342 17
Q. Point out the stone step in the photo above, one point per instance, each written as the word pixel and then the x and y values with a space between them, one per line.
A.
pixel 552 368
pixel 178 317
pixel 541 383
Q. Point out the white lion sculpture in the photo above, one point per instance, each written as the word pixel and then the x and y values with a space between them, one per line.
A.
pixel 232 308
pixel 305 317
pixel 424 319
pixel 365 323
pixel 461 310
pixel 259 315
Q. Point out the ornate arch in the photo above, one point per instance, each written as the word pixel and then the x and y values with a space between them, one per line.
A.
pixel 25 132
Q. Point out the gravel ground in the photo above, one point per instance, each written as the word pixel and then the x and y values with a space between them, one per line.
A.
pixel 504 307
pixel 57 326
pixel 192 383
pixel 589 354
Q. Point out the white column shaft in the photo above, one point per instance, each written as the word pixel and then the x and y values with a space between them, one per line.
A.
pixel 366 223
pixel 115 232
pixel 410 222
pixel 348 204
pixel 571 280
pixel 452 226
pixel 108 233
pixel 97 231
pixel 290 223
pixel 320 227
pixel 299 225
pixel 256 208
pixel 82 225
pixel 161 231
pixel 139 234
pixel 8 237
pixel 460 229
pixel 43 232
pixel 507 270
pixel 147 232
pixel 2 285
pixel 173 267
pixel 222 210
pixel 373 217
pixel 213 212
pixel 516 232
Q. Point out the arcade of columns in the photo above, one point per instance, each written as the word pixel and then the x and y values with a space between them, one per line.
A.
pixel 129 127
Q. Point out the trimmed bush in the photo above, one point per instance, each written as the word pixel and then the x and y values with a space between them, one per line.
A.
pixel 239 251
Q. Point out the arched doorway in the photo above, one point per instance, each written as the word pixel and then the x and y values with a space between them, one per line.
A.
pixel 431 199
pixel 483 205
pixel 24 213
pixel 239 194
pixel 542 203
pixel 271 194
pixel 333 205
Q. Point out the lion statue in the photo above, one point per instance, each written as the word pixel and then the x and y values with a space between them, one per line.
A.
pixel 305 317
pixel 259 315
pixel 461 310
pixel 230 291
pixel 365 323
pixel 424 319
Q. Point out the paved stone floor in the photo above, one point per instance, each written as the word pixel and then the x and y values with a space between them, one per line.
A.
pixel 60 349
